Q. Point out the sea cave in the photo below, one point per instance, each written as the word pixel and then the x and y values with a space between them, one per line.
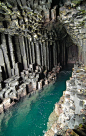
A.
pixel 42 44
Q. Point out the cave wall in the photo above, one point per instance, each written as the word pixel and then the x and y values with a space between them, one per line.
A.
pixel 25 39
pixel 72 54
pixel 72 15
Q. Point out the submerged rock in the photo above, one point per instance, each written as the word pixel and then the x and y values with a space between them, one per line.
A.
pixel 52 119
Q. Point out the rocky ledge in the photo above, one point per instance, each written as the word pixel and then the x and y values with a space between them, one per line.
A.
pixel 70 111
pixel 27 83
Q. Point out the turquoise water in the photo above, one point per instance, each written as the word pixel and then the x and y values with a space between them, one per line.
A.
pixel 29 117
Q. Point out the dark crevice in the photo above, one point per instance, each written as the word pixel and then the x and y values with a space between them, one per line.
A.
pixel 5 24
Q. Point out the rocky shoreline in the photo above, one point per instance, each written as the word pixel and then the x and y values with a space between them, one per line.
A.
pixel 27 83
pixel 70 111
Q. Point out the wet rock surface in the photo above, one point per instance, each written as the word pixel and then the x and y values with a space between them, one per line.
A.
pixel 71 109
pixel 20 86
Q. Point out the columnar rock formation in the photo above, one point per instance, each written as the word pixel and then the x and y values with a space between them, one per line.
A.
pixel 73 17
pixel 28 49
pixel 34 42
pixel 24 40
pixel 31 44
pixel 70 111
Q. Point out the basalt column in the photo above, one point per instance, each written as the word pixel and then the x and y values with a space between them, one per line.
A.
pixel 5 54
pixel 58 45
pixel 11 50
pixel 54 54
pixel 83 50
pixel 33 52
pixel 47 46
pixel 62 59
pixel 56 50
pixel 3 74
pixel 30 50
pixel 50 57
pixel 60 52
pixel 47 57
pixel 17 49
pixel 42 58
pixel 23 52
pixel 44 52
pixel 26 48
pixel 37 53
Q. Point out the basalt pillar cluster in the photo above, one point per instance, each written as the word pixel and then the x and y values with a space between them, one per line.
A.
pixel 30 51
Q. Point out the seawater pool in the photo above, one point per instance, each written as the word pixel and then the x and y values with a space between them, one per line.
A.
pixel 30 115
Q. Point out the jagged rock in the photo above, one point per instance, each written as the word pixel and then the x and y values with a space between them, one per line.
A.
pixel 72 105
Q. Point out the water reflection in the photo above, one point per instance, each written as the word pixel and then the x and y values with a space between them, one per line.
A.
pixel 21 109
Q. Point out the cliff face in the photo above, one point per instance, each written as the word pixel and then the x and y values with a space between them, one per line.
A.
pixel 70 111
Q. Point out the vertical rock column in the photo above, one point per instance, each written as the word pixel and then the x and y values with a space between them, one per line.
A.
pixel 27 53
pixel 1 79
pixel 56 58
pixel 54 54
pixel 33 52
pixel 47 46
pixel 84 55
pixel 81 43
pixel 50 57
pixel 84 51
pixel 30 52
pixel 18 52
pixel 44 52
pixel 52 14
pixel 42 59
pixel 37 53
pixel 58 51
pixel 23 52
pixel 5 54
pixel 11 50
pixel 2 63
